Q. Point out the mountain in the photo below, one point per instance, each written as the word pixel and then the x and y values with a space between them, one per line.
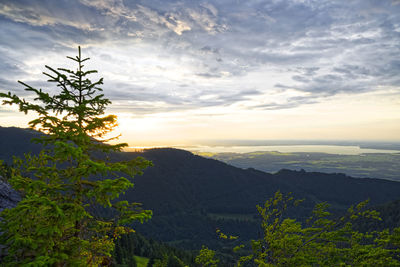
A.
pixel 17 141
pixel 182 179
pixel 191 196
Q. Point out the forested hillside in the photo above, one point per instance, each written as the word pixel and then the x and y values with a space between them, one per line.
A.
pixel 192 196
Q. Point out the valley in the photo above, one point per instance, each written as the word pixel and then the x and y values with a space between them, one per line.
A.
pixel 365 165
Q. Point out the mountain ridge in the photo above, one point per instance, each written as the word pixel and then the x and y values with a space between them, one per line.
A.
pixel 191 195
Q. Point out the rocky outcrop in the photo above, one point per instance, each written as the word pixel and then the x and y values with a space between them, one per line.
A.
pixel 8 196
pixel 8 199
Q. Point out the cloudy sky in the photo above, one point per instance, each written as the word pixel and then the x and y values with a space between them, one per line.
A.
pixel 186 70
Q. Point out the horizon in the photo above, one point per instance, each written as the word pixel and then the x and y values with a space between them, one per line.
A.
pixel 338 147
pixel 218 70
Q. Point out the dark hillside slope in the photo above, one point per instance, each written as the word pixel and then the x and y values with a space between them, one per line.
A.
pixel 17 141
pixel 180 178
pixel 338 188
pixel 191 196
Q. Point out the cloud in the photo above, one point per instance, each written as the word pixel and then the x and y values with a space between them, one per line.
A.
pixel 142 100
pixel 209 75
pixel 37 14
pixel 216 49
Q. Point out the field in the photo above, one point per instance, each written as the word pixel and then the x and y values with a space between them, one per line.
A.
pixel 379 165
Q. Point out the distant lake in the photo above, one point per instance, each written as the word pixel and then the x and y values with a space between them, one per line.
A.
pixel 330 149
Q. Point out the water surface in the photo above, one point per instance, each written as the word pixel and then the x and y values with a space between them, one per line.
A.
pixel 330 149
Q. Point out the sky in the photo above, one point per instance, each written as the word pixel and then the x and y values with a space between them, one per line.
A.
pixel 181 71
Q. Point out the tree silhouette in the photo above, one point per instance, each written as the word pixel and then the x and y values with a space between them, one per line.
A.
pixel 53 223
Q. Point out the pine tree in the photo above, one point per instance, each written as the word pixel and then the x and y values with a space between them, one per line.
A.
pixel 53 223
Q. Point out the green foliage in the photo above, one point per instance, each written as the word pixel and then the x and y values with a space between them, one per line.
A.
pixel 141 261
pixel 323 241
pixel 5 171
pixel 52 224
pixel 206 258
